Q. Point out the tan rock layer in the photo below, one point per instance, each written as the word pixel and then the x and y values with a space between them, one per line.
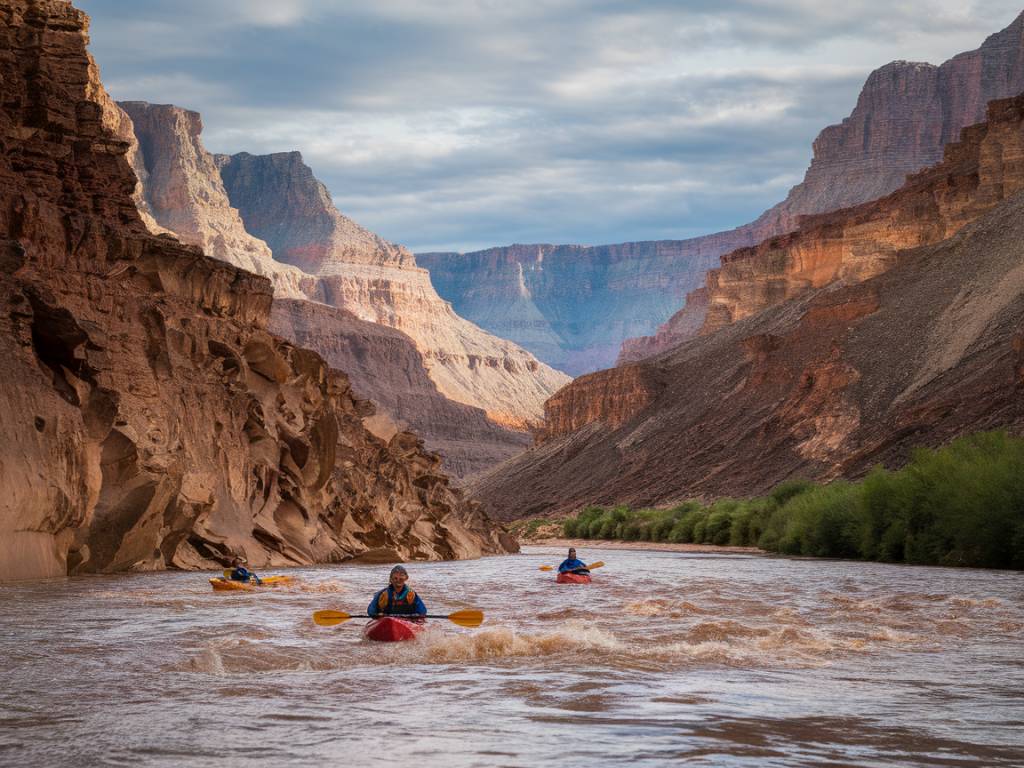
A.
pixel 983 168
pixel 384 364
pixel 149 419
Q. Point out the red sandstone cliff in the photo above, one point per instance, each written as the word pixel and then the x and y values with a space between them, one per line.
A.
pixel 149 420
pixel 906 114
pixel 822 386
pixel 985 167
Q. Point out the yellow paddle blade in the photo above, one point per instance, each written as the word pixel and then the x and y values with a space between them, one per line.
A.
pixel 598 564
pixel 547 567
pixel 227 573
pixel 468 618
pixel 330 618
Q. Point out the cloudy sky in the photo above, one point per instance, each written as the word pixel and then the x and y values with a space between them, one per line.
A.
pixel 461 124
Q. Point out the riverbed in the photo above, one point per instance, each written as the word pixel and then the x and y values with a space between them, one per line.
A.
pixel 719 659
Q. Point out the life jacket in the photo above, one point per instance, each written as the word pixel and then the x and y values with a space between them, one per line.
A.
pixel 403 605
pixel 240 574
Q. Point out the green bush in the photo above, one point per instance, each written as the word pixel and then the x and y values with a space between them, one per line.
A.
pixel 959 505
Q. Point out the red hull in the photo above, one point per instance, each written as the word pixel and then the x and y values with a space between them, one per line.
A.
pixel 392 630
pixel 573 578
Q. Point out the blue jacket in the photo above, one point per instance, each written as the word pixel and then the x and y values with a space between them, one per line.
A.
pixel 571 565
pixel 240 573
pixel 405 602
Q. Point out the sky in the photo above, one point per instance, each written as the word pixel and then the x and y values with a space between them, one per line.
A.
pixel 464 124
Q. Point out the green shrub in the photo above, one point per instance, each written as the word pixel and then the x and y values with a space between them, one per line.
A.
pixel 959 505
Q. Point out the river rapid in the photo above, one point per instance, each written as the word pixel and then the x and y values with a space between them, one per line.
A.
pixel 723 660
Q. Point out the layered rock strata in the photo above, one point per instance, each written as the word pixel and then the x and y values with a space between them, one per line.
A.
pixel 150 420
pixel 979 171
pixel 287 207
pixel 906 114
pixel 383 362
pixel 823 386
pixel 182 190
pixel 320 255
pixel 573 306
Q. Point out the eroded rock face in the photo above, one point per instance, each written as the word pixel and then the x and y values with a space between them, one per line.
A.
pixel 384 363
pixel 179 173
pixel 150 420
pixel 276 199
pixel 284 205
pixel 823 386
pixel 853 244
pixel 907 112
pixel 849 245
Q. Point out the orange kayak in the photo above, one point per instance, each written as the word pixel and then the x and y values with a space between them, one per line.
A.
pixel 573 578
pixel 226 585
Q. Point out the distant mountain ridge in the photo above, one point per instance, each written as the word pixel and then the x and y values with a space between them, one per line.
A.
pixel 924 342
pixel 583 301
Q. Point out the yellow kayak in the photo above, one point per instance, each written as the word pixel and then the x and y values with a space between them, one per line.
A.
pixel 220 584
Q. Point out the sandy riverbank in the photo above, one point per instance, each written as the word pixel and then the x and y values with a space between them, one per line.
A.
pixel 650 546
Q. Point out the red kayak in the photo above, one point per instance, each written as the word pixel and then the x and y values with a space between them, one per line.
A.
pixel 389 629
pixel 573 578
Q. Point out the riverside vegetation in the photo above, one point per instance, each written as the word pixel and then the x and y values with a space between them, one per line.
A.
pixel 961 505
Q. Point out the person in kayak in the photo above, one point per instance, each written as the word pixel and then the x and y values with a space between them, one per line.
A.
pixel 572 565
pixel 397 599
pixel 240 573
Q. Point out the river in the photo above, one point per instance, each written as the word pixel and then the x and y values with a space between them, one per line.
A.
pixel 721 660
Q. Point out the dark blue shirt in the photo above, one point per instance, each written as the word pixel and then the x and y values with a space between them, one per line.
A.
pixel 240 573
pixel 571 565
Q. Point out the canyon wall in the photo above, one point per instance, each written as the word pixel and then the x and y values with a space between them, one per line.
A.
pixel 280 199
pixel 385 362
pixel 985 167
pixel 274 207
pixel 150 420
pixel 823 386
pixel 573 306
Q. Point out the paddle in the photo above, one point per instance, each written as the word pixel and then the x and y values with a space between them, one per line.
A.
pixel 467 618
pixel 590 567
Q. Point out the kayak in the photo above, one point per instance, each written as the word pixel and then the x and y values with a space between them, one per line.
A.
pixel 389 629
pixel 220 584
pixel 573 578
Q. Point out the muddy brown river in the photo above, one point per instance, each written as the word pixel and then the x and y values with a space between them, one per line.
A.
pixel 719 660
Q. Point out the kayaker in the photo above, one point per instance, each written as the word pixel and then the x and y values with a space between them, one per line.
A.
pixel 572 565
pixel 397 599
pixel 240 573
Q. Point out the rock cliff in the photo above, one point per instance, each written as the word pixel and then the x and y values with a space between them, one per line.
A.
pixel 906 114
pixel 384 364
pixel 150 420
pixel 284 205
pixel 182 190
pixel 983 168
pixel 574 309
pixel 822 386
pixel 239 204
pixel 572 305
